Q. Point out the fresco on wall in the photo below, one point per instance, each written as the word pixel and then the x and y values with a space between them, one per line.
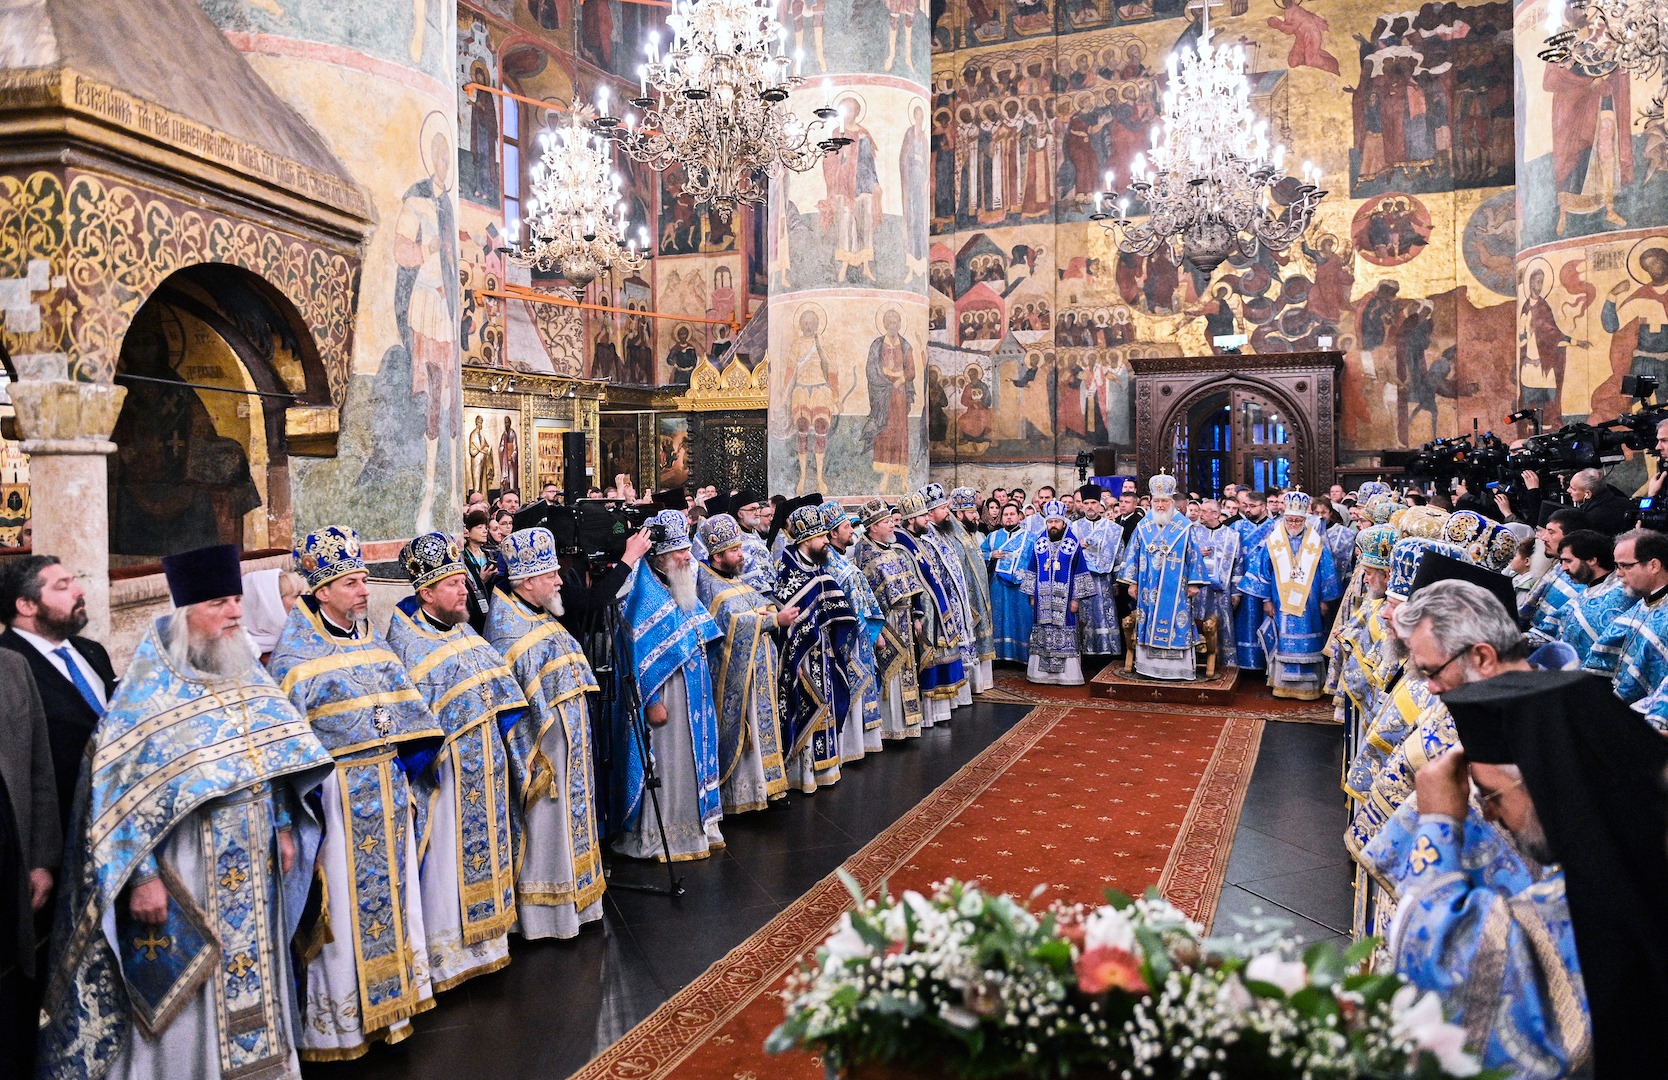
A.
pixel 410 33
pixel 478 168
pixel 860 216
pixel 1432 109
pixel 883 36
pixel 1035 315
pixel 612 36
pixel 1592 265
pixel 847 392
pixel 381 94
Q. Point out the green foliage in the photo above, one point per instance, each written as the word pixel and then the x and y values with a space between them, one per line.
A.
pixel 976 986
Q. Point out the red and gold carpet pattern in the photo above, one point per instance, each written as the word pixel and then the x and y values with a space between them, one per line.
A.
pixel 1077 799
pixel 1251 698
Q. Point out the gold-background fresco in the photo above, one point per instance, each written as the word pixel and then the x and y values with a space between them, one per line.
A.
pixel 1408 270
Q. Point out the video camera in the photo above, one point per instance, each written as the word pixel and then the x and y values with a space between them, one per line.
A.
pixel 598 528
pixel 1485 461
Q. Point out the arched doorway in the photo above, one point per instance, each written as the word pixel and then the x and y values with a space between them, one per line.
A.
pixel 1236 436
pixel 211 361
pixel 1260 421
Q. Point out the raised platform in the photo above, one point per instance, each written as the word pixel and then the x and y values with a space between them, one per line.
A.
pixel 1113 683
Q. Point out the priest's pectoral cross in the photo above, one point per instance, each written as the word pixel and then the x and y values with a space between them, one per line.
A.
pixel 152 943
pixel 1424 855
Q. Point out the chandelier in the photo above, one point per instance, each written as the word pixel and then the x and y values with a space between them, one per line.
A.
pixel 1629 34
pixel 718 105
pixel 1209 184
pixel 575 216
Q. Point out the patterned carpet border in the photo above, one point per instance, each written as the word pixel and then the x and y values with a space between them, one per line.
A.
pixel 1198 862
pixel 1194 869
pixel 1286 713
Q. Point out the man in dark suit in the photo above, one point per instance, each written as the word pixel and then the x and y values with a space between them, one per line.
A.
pixel 44 611
pixel 31 845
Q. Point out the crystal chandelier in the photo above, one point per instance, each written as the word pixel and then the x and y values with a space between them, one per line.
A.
pixel 575 216
pixel 1629 34
pixel 719 104
pixel 1209 184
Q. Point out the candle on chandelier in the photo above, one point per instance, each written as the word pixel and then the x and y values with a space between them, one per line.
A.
pixel 643 80
pixel 602 100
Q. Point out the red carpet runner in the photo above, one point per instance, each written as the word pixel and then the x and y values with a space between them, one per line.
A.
pixel 1251 698
pixel 1078 799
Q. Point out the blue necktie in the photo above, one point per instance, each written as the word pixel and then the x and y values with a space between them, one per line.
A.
pixel 80 680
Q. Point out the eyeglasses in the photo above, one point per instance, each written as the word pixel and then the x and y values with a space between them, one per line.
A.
pixel 1484 799
pixel 1620 565
pixel 1432 673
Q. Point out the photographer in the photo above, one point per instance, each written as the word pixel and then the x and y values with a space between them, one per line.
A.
pixel 1655 489
pixel 1606 510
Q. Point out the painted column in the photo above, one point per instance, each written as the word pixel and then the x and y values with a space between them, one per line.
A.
pixel 1592 262
pixel 66 428
pixel 376 79
pixel 848 260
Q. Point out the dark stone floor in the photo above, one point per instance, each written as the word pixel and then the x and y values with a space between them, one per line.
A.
pixel 558 1004
pixel 1288 858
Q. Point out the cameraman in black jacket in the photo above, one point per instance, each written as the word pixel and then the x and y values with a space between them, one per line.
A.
pixel 1607 510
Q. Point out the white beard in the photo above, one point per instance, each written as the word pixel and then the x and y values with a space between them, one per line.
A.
pixel 1164 517
pixel 221 659
pixel 554 605
pixel 681 581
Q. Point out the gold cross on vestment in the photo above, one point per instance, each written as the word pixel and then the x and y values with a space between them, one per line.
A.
pixel 474 796
pixel 376 928
pixel 477 862
pixel 1424 855
pixel 233 879
pixel 154 942
pixel 368 844
pixel 240 965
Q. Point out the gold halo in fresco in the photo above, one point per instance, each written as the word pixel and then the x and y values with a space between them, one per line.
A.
pixel 1635 269
pixel 802 310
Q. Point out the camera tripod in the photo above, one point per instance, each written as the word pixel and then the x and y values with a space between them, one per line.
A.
pixel 616 674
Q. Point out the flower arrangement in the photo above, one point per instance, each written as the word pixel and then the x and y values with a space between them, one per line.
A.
pixel 976 985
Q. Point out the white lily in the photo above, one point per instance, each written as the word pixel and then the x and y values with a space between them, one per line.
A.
pixel 1289 975
pixel 845 944
pixel 1418 1019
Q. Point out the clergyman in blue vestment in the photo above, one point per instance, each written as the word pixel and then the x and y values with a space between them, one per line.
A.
pixel 1162 567
pixel 1291 579
pixel 1009 550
